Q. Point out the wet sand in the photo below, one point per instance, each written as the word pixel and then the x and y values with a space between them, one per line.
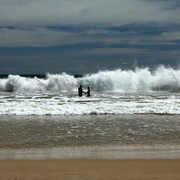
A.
pixel 93 153
pixel 90 169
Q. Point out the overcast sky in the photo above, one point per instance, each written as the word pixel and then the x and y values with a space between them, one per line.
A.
pixel 84 36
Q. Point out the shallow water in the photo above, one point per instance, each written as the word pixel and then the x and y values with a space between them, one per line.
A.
pixel 144 136
pixel 89 130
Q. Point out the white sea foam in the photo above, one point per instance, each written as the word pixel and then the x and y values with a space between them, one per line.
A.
pixel 52 83
pixel 98 103
pixel 113 92
pixel 138 80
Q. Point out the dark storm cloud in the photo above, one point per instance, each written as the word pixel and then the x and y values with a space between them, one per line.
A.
pixel 62 35
pixel 25 23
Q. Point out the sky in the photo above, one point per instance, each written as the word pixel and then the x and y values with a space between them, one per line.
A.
pixel 85 36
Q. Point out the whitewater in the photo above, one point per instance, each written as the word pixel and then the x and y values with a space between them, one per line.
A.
pixel 131 114
pixel 138 91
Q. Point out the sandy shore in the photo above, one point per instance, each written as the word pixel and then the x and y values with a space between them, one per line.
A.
pixel 90 169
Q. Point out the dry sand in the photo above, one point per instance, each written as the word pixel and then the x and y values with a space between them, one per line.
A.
pixel 90 169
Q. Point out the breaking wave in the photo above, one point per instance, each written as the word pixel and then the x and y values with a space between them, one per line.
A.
pixel 138 80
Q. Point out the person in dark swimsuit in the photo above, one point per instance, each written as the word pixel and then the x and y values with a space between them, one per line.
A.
pixel 88 92
pixel 80 91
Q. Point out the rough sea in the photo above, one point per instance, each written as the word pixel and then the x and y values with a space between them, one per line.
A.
pixel 130 114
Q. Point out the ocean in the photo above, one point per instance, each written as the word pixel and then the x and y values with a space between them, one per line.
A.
pixel 130 114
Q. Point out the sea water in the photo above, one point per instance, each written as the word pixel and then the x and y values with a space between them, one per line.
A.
pixel 130 112
pixel 112 92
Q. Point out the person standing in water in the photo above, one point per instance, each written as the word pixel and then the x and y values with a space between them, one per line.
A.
pixel 88 92
pixel 80 91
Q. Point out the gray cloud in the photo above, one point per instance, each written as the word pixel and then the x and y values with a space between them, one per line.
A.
pixel 36 37
pixel 175 35
pixel 30 20
pixel 54 12
pixel 46 37
pixel 60 35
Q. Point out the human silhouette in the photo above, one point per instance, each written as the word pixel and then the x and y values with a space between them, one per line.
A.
pixel 88 92
pixel 80 91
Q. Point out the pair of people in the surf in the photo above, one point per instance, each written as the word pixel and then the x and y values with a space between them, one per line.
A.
pixel 80 91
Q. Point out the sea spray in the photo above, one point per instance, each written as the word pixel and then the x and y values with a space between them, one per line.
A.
pixel 137 80
pixel 138 91
pixel 60 82
pixel 52 83
pixel 120 80
pixel 166 79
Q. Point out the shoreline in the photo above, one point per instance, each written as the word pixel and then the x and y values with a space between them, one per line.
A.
pixel 130 152
pixel 90 169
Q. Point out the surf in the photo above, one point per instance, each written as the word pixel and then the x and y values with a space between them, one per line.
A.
pixel 136 80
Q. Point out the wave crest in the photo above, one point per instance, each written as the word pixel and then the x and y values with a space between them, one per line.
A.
pixel 138 80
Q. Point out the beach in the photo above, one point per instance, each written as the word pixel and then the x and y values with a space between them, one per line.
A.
pixel 90 169
pixel 95 147
pixel 89 90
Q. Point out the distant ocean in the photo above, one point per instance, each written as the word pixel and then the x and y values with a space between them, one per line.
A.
pixel 132 108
